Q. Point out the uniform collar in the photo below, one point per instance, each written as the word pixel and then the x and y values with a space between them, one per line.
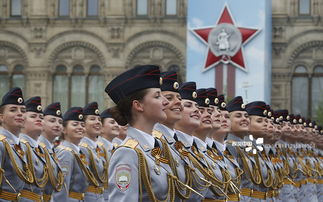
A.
pixel 45 141
pixel 90 142
pixel 11 138
pixel 167 132
pixel 200 144
pixel 105 142
pixel 209 141
pixel 117 141
pixel 31 141
pixel 221 147
pixel 71 145
pixel 234 138
pixel 146 141
pixel 186 139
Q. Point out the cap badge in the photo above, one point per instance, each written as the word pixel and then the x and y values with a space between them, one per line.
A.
pixel 160 81
pixel 58 112
pixel 216 101
pixel 243 106
pixel 176 85
pixel 305 124
pixel 294 121
pixel 80 117
pixel 287 118
pixel 269 114
pixel 207 101
pixel 39 108
pixel 194 95
pixel 20 100
pixel 265 112
pixel 281 117
pixel 97 112
pixel 300 120
pixel 223 105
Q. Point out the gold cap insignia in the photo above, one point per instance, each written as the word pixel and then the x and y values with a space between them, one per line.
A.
pixel 207 101
pixel 39 108
pixel 97 111
pixel 58 112
pixel 176 85
pixel 194 95
pixel 20 100
pixel 80 117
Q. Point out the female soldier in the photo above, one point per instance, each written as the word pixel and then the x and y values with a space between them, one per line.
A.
pixel 35 155
pixel 14 168
pixel 93 153
pixel 138 170
pixel 110 130
pixel 72 161
pixel 52 128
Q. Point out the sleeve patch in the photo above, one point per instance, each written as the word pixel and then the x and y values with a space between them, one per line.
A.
pixel 123 177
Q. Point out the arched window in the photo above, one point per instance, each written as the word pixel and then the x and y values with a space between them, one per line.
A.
pixel 95 82
pixel 171 7
pixel 60 86
pixel 63 8
pixel 15 8
pixel 78 84
pixel 300 92
pixel 142 7
pixel 317 89
pixel 78 88
pixel 18 77
pixel 4 80
pixel 304 7
pixel 92 8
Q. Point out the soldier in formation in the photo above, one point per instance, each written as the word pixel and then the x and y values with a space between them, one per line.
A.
pixel 162 141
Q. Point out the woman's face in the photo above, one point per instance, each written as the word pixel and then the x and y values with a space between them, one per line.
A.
pixel 74 131
pixel 191 115
pixel 270 126
pixel 52 126
pixel 154 105
pixel 93 125
pixel 123 132
pixel 216 118
pixel 239 121
pixel 110 128
pixel 206 121
pixel 174 108
pixel 258 125
pixel 33 123
pixel 225 126
pixel 12 118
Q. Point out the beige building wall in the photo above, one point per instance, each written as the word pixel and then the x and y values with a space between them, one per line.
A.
pixel 116 39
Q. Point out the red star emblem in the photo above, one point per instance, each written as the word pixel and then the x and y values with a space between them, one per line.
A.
pixel 237 59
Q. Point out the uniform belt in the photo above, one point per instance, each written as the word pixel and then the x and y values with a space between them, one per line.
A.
pixel 245 192
pixel 297 184
pixel 319 181
pixel 9 196
pixel 213 200
pixel 47 197
pixel 313 181
pixel 301 182
pixel 258 194
pixel 272 193
pixel 233 197
pixel 76 195
pixel 96 190
pixel 31 195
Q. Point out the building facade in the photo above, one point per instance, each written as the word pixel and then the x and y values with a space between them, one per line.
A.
pixel 297 55
pixel 68 50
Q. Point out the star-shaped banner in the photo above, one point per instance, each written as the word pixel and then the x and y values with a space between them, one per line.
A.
pixel 223 39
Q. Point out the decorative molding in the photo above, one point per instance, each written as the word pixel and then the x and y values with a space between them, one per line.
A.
pixel 301 48
pixel 115 49
pixel 279 48
pixel 38 48
pixel 71 44
pixel 17 48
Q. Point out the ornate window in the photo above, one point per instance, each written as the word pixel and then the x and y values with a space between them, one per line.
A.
pixel 304 7
pixel 92 8
pixel 171 7
pixel 15 8
pixel 142 7
pixel 78 87
pixel 63 8
pixel 9 80
pixel 300 91
pixel 317 89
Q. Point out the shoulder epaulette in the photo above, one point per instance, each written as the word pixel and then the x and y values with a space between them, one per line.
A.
pixel 131 143
pixel 100 144
pixel 65 148
pixel 157 134
pixel 23 141
pixel 115 145
pixel 2 137
pixel 42 145
pixel 83 144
